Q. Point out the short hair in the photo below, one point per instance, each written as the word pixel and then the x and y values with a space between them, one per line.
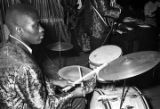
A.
pixel 15 11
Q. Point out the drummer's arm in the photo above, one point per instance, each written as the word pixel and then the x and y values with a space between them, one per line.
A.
pixel 79 91
pixel 52 83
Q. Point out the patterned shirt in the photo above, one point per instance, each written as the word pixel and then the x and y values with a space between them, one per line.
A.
pixel 22 85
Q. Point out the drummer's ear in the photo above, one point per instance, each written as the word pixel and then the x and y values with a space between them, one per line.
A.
pixel 19 30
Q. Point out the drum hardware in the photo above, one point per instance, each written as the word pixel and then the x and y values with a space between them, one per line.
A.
pixel 104 101
pixel 81 75
pixel 113 87
pixel 123 95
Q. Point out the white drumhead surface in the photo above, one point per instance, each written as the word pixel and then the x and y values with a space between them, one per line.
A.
pixel 72 73
pixel 105 54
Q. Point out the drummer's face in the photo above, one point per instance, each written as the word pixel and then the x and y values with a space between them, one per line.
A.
pixel 32 32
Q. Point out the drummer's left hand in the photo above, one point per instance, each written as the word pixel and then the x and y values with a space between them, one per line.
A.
pixel 62 83
pixel 79 92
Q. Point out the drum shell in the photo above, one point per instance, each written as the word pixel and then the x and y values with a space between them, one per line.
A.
pixel 93 65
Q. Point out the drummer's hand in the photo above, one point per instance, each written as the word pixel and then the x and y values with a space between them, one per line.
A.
pixel 62 83
pixel 79 91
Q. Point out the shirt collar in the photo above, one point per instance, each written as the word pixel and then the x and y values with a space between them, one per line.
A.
pixel 28 48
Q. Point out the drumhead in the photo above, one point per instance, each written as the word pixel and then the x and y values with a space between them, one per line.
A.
pixel 105 54
pixel 71 73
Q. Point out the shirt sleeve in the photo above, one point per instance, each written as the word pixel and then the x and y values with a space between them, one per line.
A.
pixel 29 87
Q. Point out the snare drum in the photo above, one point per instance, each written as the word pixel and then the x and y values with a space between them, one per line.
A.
pixel 72 73
pixel 104 54
pixel 111 99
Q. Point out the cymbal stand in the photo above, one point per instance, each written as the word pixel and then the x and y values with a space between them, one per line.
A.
pixel 113 87
pixel 60 59
pixel 123 94
pixel 105 101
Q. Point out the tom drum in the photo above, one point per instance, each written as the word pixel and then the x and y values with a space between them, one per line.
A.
pixel 104 54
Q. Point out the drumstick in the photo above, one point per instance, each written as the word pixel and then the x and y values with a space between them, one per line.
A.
pixel 80 74
pixel 85 76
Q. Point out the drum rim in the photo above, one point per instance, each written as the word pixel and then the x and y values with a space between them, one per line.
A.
pixel 60 72
pixel 94 64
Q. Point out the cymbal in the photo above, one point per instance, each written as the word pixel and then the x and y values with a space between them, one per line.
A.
pixel 129 65
pixel 60 46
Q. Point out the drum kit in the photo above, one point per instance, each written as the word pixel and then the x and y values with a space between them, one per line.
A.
pixel 108 64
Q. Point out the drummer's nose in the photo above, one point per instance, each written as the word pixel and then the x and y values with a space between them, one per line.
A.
pixel 41 29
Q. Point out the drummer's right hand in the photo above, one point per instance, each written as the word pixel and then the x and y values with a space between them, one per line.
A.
pixel 79 91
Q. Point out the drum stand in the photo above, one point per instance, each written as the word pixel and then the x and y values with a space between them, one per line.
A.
pixel 124 92
pixel 61 63
pixel 105 101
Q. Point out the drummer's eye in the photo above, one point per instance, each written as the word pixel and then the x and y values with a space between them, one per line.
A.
pixel 36 25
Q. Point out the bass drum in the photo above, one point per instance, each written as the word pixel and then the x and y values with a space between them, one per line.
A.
pixel 111 99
